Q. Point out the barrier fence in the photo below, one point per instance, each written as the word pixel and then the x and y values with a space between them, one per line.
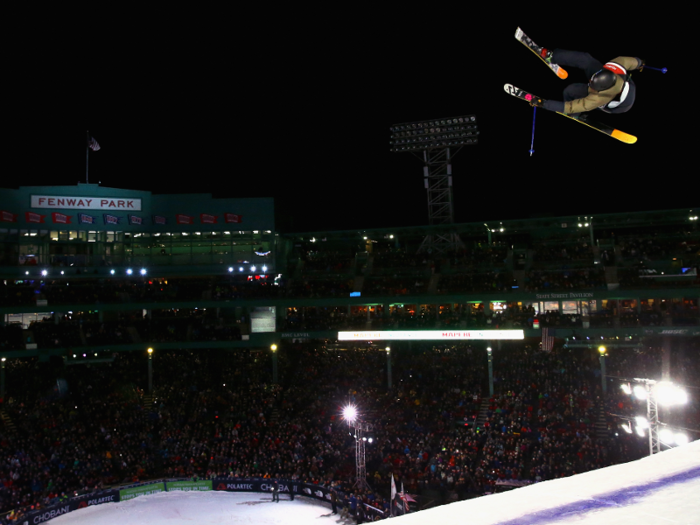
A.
pixel 127 492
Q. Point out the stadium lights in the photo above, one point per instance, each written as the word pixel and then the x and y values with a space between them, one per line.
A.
pixel 143 271
pixel 230 269
pixel 434 134
pixel 44 273
pixel 129 271
pixel 350 413
pixel 111 272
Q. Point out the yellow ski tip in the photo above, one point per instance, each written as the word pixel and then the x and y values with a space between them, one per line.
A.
pixel 624 137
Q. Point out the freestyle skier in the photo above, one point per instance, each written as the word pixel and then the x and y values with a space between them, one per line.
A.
pixel 611 88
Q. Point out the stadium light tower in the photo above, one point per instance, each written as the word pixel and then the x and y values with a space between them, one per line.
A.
pixel 436 142
pixel 360 427
pixel 655 393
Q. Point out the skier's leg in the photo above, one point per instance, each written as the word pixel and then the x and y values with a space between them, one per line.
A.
pixel 577 59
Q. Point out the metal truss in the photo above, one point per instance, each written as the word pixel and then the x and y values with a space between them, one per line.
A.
pixel 437 177
pixel 360 466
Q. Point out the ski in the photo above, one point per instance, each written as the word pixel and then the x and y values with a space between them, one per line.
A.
pixel 527 42
pixel 583 119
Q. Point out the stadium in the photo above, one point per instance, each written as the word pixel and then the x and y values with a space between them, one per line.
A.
pixel 154 343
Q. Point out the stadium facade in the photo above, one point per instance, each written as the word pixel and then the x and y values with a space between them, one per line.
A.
pixel 274 287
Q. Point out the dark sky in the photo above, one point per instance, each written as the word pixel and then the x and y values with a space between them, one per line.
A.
pixel 250 107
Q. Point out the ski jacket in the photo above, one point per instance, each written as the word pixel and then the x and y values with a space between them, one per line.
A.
pixel 598 99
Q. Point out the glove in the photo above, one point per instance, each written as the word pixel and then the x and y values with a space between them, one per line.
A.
pixel 536 102
pixel 641 64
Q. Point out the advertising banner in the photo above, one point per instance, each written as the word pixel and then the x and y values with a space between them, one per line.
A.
pixel 431 335
pixel 145 490
pixel 187 486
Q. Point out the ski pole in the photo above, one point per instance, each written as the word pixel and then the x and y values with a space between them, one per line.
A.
pixel 532 144
pixel 656 69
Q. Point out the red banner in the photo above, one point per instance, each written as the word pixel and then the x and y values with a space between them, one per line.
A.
pixel 207 219
pixel 59 218
pixel 34 217
pixel 232 217
pixel 6 216
pixel 184 219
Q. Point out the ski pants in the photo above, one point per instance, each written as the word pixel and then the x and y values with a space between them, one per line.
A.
pixel 590 67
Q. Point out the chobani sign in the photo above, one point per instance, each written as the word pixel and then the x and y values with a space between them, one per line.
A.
pixel 66 202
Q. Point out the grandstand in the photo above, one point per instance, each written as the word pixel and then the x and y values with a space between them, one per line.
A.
pixel 92 277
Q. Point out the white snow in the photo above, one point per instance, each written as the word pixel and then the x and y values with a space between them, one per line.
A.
pixel 662 489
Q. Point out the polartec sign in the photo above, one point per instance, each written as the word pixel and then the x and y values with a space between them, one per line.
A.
pixel 66 202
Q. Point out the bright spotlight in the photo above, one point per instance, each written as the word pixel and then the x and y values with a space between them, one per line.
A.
pixel 143 271
pixel 640 431
pixel 669 394
pixel 111 272
pixel 601 350
pixel 666 435
pixel 350 413
pixel 627 427
pixel 370 440
pixel 44 273
pixel 626 388
pixel 640 392
pixel 252 268
pixel 230 269
pixel 264 269
pixel 681 439
pixel 641 422
pixel 129 271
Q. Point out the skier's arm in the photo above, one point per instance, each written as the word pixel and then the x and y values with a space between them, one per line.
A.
pixel 629 63
pixel 580 105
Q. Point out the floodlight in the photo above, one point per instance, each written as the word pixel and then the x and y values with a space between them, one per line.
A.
pixel 240 268
pixel 264 269
pixel 432 134
pixel 626 388
pixel 669 394
pixel 641 422
pixel 111 272
pixel 143 271
pixel 666 435
pixel 350 413
pixel 681 439
pixel 640 431
pixel 370 440
pixel 230 269
pixel 627 428
pixel 273 347
pixel 129 271
pixel 44 273
pixel 252 268
pixel 601 350
pixel 640 392
pixel 150 350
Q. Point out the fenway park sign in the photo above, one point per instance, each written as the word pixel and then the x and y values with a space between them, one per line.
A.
pixel 66 202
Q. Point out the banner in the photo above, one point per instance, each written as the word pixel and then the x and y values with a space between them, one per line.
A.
pixel 6 216
pixel 111 219
pixel 232 217
pixel 145 490
pixel 135 220
pixel 84 218
pixel 187 486
pixel 59 218
pixel 34 217
pixel 205 218
pixel 184 219
pixel 431 335
pixel 159 219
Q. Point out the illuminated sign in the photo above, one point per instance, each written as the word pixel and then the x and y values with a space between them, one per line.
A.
pixel 65 202
pixel 431 335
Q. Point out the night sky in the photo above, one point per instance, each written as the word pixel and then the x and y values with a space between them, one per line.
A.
pixel 301 111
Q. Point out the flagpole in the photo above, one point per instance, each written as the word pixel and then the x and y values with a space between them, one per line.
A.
pixel 87 156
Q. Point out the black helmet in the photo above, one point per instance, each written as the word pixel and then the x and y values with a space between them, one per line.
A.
pixel 602 80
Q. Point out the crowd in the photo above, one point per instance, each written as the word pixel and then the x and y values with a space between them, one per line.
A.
pixel 216 413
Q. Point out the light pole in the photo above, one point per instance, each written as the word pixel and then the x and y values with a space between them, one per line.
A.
pixel 489 354
pixel 360 427
pixel 655 393
pixel 388 367
pixel 273 347
pixel 2 378
pixel 150 370
pixel 602 351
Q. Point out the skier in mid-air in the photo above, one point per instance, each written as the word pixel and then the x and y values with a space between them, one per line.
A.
pixel 610 89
